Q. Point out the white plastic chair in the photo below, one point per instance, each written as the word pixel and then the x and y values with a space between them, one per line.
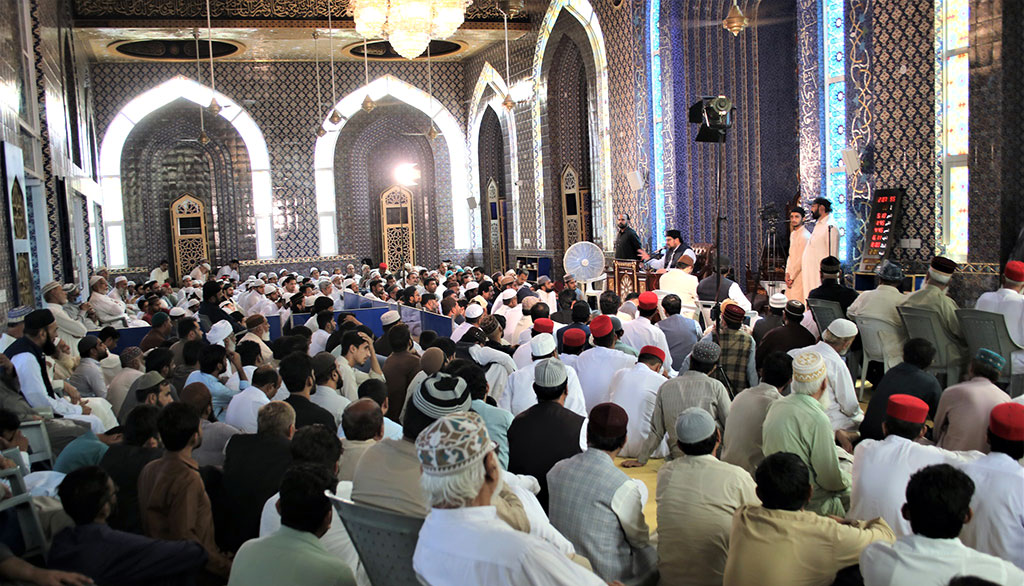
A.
pixel 985 329
pixel 924 323
pixel 871 335
pixel 38 441
pixel 385 541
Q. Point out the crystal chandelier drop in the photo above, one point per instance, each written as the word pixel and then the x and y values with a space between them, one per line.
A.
pixel 408 25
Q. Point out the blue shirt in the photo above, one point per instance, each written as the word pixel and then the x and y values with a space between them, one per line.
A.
pixel 497 421
pixel 219 391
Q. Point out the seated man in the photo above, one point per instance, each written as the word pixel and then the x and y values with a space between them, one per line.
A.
pixel 738 349
pixel 998 479
pixel 597 507
pixel 88 377
pixel 832 287
pixel 295 548
pixel 880 303
pixel 172 497
pixel 124 462
pixel 462 540
pixel 363 424
pixel 548 432
pixel 961 420
pixel 909 378
pixel 933 296
pixel 774 318
pixel 697 497
pixel 842 407
pixel 328 386
pixel 497 419
pixel 109 556
pixel 742 438
pixel 297 374
pixel 681 332
pixel 938 506
pixel 894 459
pixel 693 388
pixel 216 434
pixel 519 394
pixel 635 389
pixel 781 544
pixel 1009 302
pixel 797 424
pixel 596 366
pixel 791 334
pixel 242 412
pixel 254 465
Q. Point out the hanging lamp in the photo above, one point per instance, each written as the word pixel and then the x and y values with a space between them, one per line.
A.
pixel 735 22
pixel 368 104
pixel 214 107
pixel 508 102
pixel 335 117
pixel 432 131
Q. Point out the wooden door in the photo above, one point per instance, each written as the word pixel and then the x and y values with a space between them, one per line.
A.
pixel 188 233
pixel 495 211
pixel 397 226
pixel 573 218
pixel 20 261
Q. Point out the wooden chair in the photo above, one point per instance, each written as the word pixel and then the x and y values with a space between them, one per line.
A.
pixel 385 541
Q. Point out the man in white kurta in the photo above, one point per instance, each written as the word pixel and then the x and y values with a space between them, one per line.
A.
pixel 68 329
pixel 635 389
pixel 1009 302
pixel 681 281
pixel 641 332
pixel 881 469
pixel 110 312
pixel 997 527
pixel 596 366
pixel 824 241
pixel 519 394
pixel 798 237
pixel 463 541
pixel 843 409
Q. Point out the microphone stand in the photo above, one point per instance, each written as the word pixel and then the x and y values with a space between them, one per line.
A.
pixel 718 229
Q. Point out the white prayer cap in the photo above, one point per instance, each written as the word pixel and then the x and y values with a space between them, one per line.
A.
pixel 778 300
pixel 219 332
pixel 283 271
pixel 843 328
pixel 225 303
pixel 694 425
pixel 474 311
pixel 206 265
pixel 808 372
pixel 472 285
pixel 508 294
pixel 120 279
pixel 348 283
pixel 270 289
pixel 311 269
pixel 542 344
pixel 257 283
pixel 261 276
pixel 50 287
pixel 549 372
pixel 95 279
pixel 186 278
pixel 389 317
pixel 131 283
pixel 177 312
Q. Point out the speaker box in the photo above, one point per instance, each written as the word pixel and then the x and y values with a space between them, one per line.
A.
pixel 471 203
pixel 851 160
pixel 635 180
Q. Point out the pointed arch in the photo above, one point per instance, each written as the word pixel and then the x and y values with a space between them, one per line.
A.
pixel 490 77
pixel 145 104
pixel 582 11
pixel 323 155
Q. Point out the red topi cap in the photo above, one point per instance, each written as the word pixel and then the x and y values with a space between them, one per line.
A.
pixel 601 326
pixel 648 300
pixel 653 351
pixel 574 337
pixel 907 408
pixel 1007 421
pixel 543 325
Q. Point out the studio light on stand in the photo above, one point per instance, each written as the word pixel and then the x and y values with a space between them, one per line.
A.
pixel 715 115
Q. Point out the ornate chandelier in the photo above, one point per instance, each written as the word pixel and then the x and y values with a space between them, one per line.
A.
pixel 408 25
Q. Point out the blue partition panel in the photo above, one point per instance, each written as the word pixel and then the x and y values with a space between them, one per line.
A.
pixel 129 337
pixel 439 323
pixel 370 317
pixel 275 326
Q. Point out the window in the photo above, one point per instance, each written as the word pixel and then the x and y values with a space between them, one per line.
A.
pixel 951 126
pixel 833 37
pixel 657 126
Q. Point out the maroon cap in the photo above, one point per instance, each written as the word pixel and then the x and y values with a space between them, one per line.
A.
pixel 543 325
pixel 653 351
pixel 608 420
pixel 601 326
pixel 1007 421
pixel 648 300
pixel 907 408
pixel 734 313
pixel 574 337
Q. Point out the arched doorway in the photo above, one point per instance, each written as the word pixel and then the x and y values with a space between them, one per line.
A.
pixel 494 203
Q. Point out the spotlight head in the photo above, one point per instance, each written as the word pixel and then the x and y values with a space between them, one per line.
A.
pixel 715 116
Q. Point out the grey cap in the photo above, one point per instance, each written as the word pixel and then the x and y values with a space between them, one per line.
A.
pixel 706 351
pixel 694 425
pixel 549 372
pixel 150 380
pixel 543 280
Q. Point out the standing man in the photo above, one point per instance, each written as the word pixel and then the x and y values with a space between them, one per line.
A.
pixel 1009 302
pixel 161 274
pixel 798 238
pixel 824 241
pixel 229 270
pixel 627 243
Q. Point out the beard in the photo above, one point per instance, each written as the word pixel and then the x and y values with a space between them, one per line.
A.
pixel 816 214
pixel 49 346
pixel 825 400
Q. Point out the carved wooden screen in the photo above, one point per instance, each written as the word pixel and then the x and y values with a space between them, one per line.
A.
pixel 21 246
pixel 573 223
pixel 496 224
pixel 396 225
pixel 188 233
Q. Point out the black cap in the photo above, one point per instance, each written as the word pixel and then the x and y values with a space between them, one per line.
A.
pixel 39 319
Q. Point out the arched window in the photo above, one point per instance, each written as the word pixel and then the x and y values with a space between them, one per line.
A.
pixel 657 126
pixel 144 105
pixel 951 127
pixel 833 44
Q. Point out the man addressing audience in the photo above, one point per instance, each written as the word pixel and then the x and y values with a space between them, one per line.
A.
pixel 511 452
